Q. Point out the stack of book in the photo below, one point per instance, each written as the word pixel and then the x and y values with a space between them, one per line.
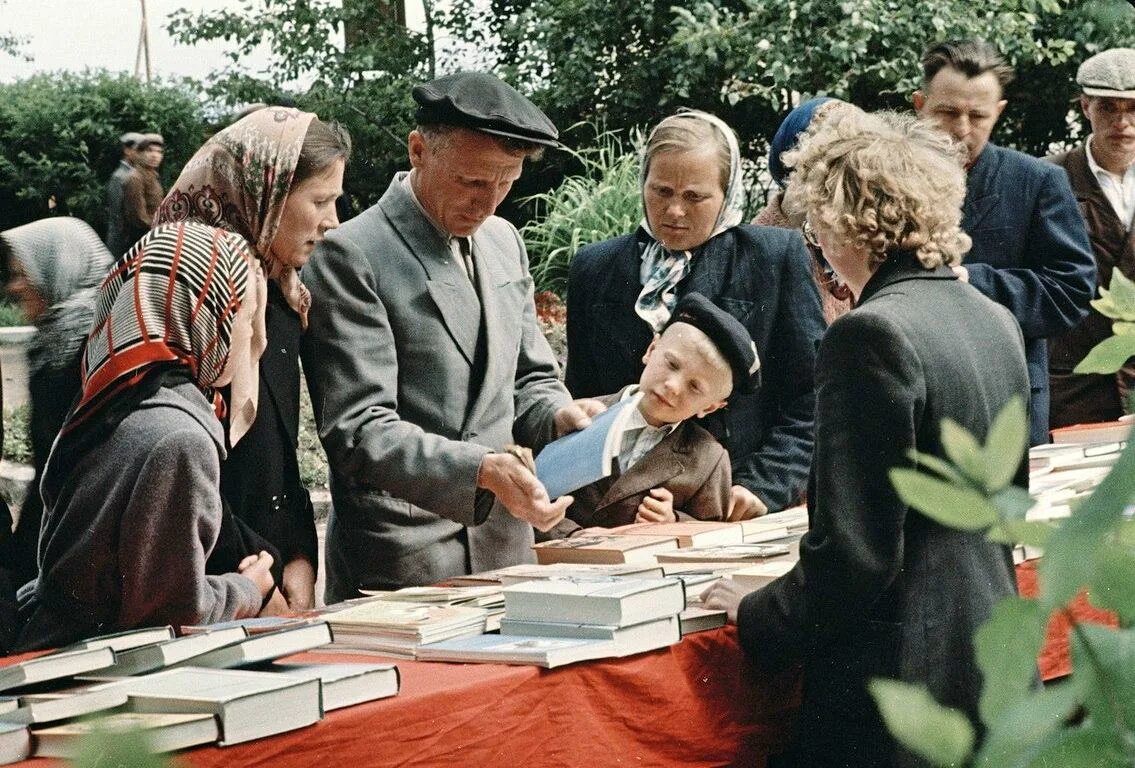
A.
pixel 605 548
pixel 562 620
pixel 398 628
pixel 485 596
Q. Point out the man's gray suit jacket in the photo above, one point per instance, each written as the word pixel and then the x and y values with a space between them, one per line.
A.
pixel 414 377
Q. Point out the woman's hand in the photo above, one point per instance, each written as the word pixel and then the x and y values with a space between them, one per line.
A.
pixel 724 595
pixel 658 507
pixel 257 568
pixel 744 504
pixel 299 584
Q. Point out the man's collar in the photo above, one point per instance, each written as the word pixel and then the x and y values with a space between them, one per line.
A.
pixel 1095 167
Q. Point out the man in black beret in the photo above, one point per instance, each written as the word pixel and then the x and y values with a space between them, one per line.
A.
pixel 424 358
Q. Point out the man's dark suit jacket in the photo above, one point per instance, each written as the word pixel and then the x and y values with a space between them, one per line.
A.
pixel 880 590
pixel 1030 253
pixel 760 275
pixel 1078 398
pixel 688 462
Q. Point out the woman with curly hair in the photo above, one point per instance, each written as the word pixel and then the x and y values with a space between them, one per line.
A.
pixel 880 590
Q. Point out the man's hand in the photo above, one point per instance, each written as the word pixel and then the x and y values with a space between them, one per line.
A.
pixel 576 415
pixel 723 594
pixel 658 507
pixel 961 272
pixel 521 493
pixel 299 584
pixel 744 504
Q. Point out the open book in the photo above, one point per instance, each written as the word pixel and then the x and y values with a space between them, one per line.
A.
pixel 585 456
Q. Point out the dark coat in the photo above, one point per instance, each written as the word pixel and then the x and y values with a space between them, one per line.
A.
pixel 688 462
pixel 260 478
pixel 1079 398
pixel 760 275
pixel 881 590
pixel 1030 253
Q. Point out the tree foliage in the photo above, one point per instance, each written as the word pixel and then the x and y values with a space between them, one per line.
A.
pixel 59 139
pixel 1088 720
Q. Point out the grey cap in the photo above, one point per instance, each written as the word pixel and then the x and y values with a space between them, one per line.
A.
pixel 130 139
pixel 481 102
pixel 150 139
pixel 1110 73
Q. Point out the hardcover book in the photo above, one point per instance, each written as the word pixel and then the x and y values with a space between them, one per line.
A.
pixel 509 649
pixel 248 704
pixel 55 666
pixel 148 658
pixel 758 575
pixel 688 533
pixel 263 647
pixel 603 549
pixel 613 602
pixel 123 641
pixel 582 457
pixel 344 685
pixel 61 705
pixel 15 743
pixel 734 553
pixel 634 638
pixel 162 733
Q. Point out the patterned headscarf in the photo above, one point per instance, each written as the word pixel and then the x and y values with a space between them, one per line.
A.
pixel 239 181
pixel 64 261
pixel 172 298
pixel 663 269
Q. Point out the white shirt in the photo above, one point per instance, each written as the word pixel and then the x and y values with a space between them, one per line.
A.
pixel 1119 190
pixel 639 437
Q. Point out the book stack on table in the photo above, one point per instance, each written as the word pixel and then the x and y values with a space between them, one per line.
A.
pixel 565 619
pixel 398 627
pixel 212 687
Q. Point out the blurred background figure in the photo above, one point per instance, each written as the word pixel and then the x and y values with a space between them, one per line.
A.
pixel 54 267
pixel 115 222
pixel 141 190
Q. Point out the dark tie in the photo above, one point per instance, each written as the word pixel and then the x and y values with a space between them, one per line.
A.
pixel 465 248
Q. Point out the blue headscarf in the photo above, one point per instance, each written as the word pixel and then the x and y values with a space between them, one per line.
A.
pixel 789 133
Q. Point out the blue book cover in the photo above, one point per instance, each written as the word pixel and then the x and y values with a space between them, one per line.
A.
pixel 582 457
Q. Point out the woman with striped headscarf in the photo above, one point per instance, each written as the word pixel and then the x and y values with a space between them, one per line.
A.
pixel 170 383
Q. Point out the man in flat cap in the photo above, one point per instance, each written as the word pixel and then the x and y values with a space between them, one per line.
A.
pixel 1102 172
pixel 424 359
pixel 1030 249
pixel 142 190
pixel 115 226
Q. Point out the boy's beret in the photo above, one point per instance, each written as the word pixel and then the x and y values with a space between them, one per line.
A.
pixel 727 334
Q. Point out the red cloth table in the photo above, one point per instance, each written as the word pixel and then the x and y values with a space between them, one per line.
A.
pixel 693 704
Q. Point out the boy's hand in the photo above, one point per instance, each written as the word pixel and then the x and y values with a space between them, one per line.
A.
pixel 576 415
pixel 744 504
pixel 658 507
pixel 258 568
pixel 299 584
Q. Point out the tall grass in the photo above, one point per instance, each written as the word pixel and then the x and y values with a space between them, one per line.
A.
pixel 601 202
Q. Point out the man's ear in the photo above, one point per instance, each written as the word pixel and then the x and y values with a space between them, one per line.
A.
pixel 650 349
pixel 1001 107
pixel 710 409
pixel 1084 101
pixel 416 144
pixel 918 99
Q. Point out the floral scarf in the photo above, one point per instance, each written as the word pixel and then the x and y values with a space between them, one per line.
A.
pixel 64 261
pixel 663 269
pixel 239 181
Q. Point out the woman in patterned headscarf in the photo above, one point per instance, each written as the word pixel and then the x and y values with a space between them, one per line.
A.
pixel 54 267
pixel 621 292
pixel 273 178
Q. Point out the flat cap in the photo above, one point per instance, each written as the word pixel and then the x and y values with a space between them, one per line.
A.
pixel 481 102
pixel 727 334
pixel 130 139
pixel 1110 73
pixel 149 139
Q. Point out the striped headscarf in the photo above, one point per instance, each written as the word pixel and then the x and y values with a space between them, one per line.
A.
pixel 239 181
pixel 663 269
pixel 171 299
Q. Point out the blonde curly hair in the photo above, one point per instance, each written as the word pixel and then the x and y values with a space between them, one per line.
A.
pixel 885 182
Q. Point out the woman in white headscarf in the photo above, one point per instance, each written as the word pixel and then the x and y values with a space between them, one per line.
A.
pixel 54 267
pixel 621 292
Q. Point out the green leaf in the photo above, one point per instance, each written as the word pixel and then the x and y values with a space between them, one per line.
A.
pixel 1108 356
pixel 935 464
pixel 939 734
pixel 104 748
pixel 1118 299
pixel 1024 725
pixel 1069 560
pixel 1013 503
pixel 947 504
pixel 964 451
pixel 1084 747
pixel 1113 587
pixel 1104 659
pixel 1033 533
pixel 1005 445
pixel 1006 648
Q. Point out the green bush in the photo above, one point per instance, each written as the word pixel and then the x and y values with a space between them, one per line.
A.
pixel 11 315
pixel 59 139
pixel 603 201
pixel 17 439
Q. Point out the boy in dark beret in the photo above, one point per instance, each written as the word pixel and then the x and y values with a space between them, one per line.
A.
pixel 669 467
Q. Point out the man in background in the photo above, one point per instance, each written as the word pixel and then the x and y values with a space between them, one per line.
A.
pixel 115 219
pixel 142 191
pixel 1030 249
pixel 1102 173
